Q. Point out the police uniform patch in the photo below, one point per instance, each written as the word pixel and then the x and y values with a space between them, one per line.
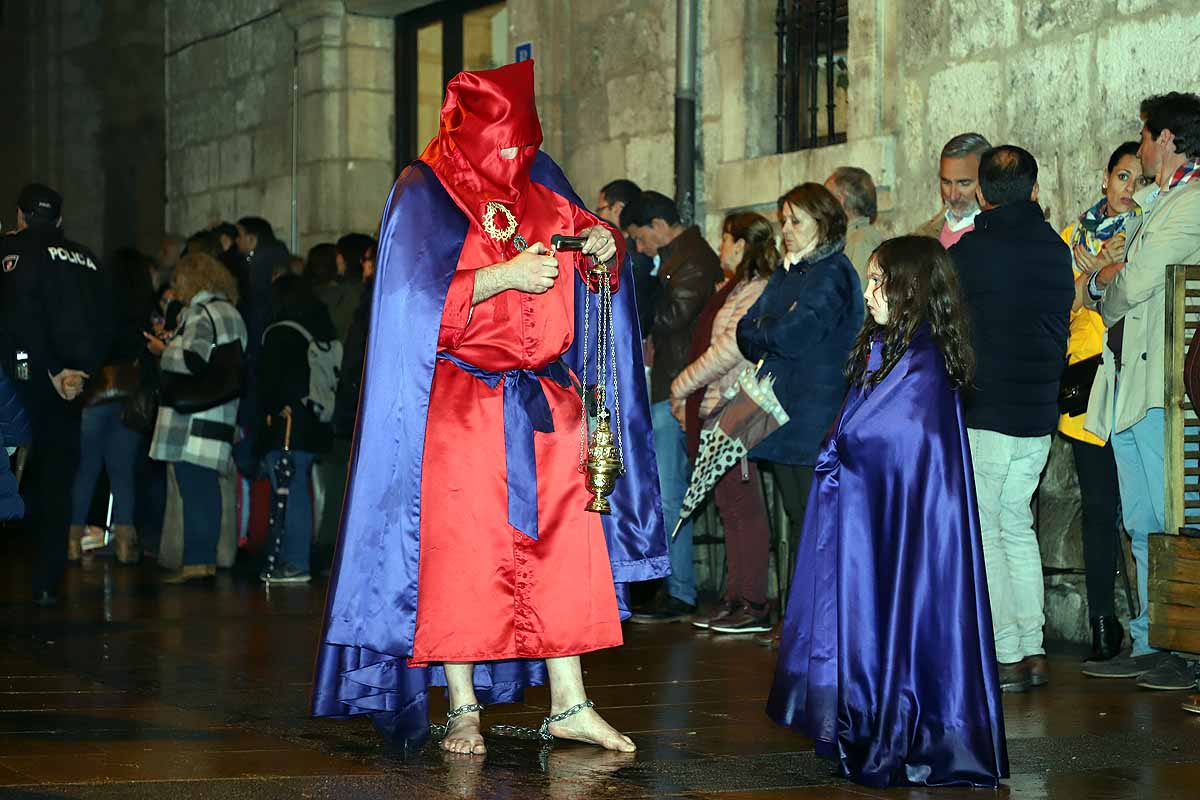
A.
pixel 10 262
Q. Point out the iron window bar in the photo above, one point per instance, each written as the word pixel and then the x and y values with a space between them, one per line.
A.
pixel 808 32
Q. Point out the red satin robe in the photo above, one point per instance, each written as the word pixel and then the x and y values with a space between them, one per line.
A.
pixel 487 591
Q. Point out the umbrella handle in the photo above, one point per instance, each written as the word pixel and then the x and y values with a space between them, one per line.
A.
pixel 678 525
pixel 287 427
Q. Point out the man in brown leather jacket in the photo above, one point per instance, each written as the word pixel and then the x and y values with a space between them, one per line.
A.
pixel 689 272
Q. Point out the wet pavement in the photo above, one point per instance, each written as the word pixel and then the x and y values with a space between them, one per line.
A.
pixel 134 689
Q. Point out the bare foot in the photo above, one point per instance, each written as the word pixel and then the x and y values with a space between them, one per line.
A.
pixel 588 726
pixel 463 736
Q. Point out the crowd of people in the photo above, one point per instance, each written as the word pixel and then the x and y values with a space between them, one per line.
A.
pixel 191 374
pixel 227 360
pixel 1037 300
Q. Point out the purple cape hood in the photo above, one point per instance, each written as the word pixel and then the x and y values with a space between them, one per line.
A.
pixel 372 606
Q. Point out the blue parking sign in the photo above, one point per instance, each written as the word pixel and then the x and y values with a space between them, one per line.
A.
pixel 524 52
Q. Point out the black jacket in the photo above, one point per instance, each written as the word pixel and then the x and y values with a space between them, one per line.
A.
pixel 646 287
pixel 57 303
pixel 688 273
pixel 132 311
pixel 1018 285
pixel 283 377
pixel 255 308
pixel 354 356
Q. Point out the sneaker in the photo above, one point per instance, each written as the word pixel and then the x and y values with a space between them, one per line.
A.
pixel 1124 666
pixel 1192 704
pixel 285 574
pixel 726 610
pixel 670 610
pixel 1174 674
pixel 1014 677
pixel 748 620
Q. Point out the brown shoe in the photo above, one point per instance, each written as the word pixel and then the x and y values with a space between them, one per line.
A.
pixel 75 543
pixel 1192 704
pixel 1014 677
pixel 1039 670
pixel 190 572
pixel 125 544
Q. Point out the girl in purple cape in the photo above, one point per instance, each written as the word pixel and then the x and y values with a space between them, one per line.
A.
pixel 887 660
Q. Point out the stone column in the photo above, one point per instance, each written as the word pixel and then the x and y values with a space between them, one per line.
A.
pixel 346 139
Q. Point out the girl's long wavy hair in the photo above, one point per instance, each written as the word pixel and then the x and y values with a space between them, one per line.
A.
pixel 921 285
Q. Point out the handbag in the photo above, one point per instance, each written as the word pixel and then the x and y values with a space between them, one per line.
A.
pixel 216 383
pixel 115 382
pixel 1075 386
pixel 140 410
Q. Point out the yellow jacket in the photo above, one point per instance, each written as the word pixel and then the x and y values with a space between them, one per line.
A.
pixel 1086 340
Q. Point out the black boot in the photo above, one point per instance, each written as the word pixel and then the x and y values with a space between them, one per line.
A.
pixel 1107 637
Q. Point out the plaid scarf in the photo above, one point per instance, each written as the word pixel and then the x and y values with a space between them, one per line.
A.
pixel 1185 174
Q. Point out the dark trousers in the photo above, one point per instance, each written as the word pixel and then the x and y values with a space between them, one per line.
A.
pixel 747 534
pixel 332 468
pixel 200 491
pixel 53 462
pixel 1100 495
pixel 794 482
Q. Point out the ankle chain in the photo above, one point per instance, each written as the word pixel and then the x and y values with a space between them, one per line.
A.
pixel 541 734
pixel 438 731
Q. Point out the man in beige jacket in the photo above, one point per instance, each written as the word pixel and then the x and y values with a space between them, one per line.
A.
pixel 855 190
pixel 1128 397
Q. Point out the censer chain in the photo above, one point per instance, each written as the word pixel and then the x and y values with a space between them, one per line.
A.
pixel 583 417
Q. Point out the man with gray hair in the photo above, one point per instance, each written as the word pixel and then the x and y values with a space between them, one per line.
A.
pixel 958 179
pixel 855 190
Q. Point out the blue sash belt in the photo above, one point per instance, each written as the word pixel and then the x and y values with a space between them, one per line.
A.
pixel 525 410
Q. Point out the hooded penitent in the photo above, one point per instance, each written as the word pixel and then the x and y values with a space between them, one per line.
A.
pixel 465 466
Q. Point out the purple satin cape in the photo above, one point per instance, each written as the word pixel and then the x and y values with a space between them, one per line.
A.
pixel 887 660
pixel 371 610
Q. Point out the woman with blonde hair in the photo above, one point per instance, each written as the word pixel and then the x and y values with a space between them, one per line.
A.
pixel 196 436
pixel 748 252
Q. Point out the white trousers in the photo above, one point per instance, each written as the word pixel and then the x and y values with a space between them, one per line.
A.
pixel 1007 471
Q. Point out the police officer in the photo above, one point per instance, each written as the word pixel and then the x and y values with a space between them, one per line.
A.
pixel 56 328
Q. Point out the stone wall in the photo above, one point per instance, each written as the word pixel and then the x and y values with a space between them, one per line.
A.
pixel 606 87
pixel 230 116
pixel 1062 78
pixel 83 100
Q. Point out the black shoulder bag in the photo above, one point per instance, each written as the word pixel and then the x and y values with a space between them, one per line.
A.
pixel 218 382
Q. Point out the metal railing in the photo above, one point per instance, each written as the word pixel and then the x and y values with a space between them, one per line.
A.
pixel 812 37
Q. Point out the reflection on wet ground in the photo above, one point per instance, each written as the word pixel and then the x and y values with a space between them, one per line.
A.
pixel 135 689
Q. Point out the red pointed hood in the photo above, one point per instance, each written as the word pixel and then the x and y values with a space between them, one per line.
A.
pixel 484 113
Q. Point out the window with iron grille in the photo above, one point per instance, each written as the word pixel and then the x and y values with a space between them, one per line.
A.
pixel 811 77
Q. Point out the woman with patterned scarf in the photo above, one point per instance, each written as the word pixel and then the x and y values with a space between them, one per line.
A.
pixel 1098 239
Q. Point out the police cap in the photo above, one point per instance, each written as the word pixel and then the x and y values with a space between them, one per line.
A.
pixel 40 203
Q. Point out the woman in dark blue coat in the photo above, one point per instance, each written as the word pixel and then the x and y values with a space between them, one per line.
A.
pixel 802 328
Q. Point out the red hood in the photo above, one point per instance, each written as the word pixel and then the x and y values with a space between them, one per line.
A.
pixel 484 113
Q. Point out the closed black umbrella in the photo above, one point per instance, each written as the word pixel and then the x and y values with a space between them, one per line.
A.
pixel 283 471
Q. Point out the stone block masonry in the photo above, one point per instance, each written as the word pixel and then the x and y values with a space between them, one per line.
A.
pixel 229 116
